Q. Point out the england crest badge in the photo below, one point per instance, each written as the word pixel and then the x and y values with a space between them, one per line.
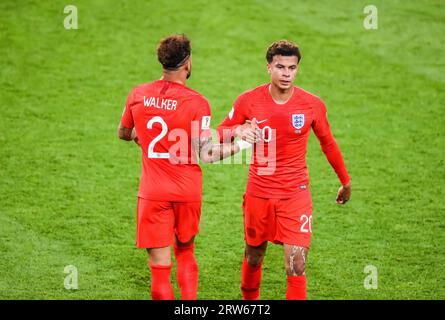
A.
pixel 298 120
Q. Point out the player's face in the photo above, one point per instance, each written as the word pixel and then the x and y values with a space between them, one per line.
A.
pixel 283 70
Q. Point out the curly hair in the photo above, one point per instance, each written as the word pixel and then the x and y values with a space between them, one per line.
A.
pixel 173 51
pixel 283 48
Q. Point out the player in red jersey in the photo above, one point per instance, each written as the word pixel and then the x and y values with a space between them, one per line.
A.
pixel 170 122
pixel 277 204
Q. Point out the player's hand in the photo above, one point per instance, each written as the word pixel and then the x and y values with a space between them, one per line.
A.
pixel 344 193
pixel 249 131
pixel 134 136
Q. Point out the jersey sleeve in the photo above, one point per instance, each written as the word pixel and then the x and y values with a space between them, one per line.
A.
pixel 236 117
pixel 127 118
pixel 328 144
pixel 203 118
pixel 321 125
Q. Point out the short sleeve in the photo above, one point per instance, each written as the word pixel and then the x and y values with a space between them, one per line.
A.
pixel 238 114
pixel 236 117
pixel 127 118
pixel 203 116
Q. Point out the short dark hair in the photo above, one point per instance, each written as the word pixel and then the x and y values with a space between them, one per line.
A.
pixel 283 48
pixel 173 51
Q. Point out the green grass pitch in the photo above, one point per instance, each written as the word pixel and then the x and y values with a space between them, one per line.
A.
pixel 68 185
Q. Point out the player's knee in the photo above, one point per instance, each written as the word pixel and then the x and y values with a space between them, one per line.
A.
pixel 189 243
pixel 159 257
pixel 254 258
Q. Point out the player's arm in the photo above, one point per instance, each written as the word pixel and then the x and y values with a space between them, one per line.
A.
pixel 233 125
pixel 126 133
pixel 126 130
pixel 209 152
pixel 333 154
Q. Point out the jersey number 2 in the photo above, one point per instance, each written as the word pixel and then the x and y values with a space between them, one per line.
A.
pixel 151 146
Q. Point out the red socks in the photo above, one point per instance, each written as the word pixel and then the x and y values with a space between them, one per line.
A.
pixel 250 281
pixel 161 287
pixel 186 272
pixel 296 288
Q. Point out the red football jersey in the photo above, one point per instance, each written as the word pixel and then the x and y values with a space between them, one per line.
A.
pixel 278 169
pixel 167 115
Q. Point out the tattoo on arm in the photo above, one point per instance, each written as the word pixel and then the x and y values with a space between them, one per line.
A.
pixel 209 152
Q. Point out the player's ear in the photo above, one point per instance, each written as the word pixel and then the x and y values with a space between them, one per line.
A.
pixel 188 67
pixel 268 68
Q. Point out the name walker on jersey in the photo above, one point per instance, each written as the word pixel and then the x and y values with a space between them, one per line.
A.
pixel 156 102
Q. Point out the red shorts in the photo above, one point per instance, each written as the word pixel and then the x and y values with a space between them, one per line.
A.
pixel 287 221
pixel 159 221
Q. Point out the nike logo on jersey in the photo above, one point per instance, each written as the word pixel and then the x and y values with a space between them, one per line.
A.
pixel 258 122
